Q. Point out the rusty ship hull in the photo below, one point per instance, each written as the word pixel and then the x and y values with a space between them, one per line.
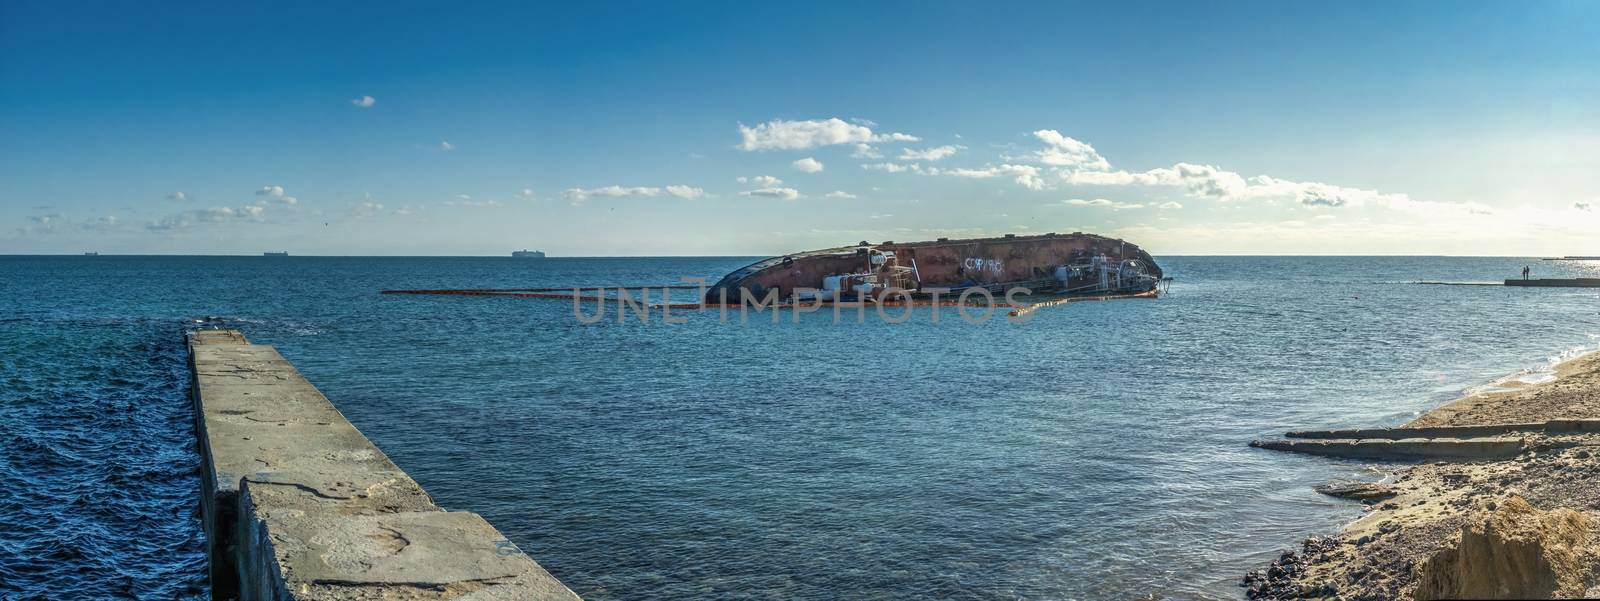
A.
pixel 1057 264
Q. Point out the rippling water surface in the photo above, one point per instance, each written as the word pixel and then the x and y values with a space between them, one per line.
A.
pixel 1097 451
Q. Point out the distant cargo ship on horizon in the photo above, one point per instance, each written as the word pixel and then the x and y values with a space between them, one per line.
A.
pixel 280 253
pixel 528 254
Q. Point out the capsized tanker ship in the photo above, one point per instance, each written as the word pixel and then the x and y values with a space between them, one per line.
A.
pixel 1075 264
pixel 1063 268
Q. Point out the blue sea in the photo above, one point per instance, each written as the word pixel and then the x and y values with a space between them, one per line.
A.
pixel 1097 451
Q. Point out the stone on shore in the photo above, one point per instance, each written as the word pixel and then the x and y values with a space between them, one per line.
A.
pixel 1366 492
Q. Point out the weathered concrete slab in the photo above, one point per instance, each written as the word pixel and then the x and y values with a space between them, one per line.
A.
pixel 300 505
pixel 1430 432
pixel 1555 426
pixel 1419 449
pixel 1572 426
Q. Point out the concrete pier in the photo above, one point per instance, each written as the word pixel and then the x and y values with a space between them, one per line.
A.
pixel 298 504
pixel 1556 283
pixel 1411 449
pixel 1553 427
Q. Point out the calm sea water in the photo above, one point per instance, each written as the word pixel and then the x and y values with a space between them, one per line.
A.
pixel 1097 451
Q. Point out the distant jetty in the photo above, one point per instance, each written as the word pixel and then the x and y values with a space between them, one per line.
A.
pixel 528 254
pixel 280 253
pixel 1556 282
pixel 1573 258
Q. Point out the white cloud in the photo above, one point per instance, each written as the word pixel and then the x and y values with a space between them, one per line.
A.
pixel 763 181
pixel 891 167
pixel 1311 194
pixel 525 194
pixel 276 194
pixel 1026 175
pixel 1203 180
pixel 1062 151
pixel 178 196
pixel 40 224
pixel 799 135
pixel 578 195
pixel 866 151
pixel 446 146
pixel 1106 178
pixel 1101 202
pixel 465 200
pixel 211 216
pixel 685 192
pixel 929 154
pixel 54 222
pixel 778 193
pixel 1077 163
pixel 1170 205
pixel 808 165
pixel 366 209
pixel 781 134
pixel 841 194
pixel 895 137
pixel 1412 227
pixel 365 102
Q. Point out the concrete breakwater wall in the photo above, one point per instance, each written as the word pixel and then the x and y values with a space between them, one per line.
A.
pixel 298 504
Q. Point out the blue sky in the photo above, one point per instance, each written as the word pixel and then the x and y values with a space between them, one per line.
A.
pixel 624 129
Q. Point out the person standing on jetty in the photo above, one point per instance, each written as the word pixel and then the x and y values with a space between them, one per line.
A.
pixel 1525 270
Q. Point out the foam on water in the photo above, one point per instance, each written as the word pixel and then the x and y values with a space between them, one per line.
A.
pixel 1534 374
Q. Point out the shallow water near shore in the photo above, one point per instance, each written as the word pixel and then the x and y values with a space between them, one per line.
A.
pixel 1096 451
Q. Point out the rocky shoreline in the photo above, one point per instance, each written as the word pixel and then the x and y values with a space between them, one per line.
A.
pixel 1527 526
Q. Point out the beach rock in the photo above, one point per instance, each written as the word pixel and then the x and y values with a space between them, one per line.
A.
pixel 1319 544
pixel 1513 552
pixel 1285 577
pixel 1359 491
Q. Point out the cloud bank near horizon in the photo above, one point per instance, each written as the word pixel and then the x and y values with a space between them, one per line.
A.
pixel 1045 164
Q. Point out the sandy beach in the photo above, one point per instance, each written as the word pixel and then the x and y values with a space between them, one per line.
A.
pixel 1525 527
